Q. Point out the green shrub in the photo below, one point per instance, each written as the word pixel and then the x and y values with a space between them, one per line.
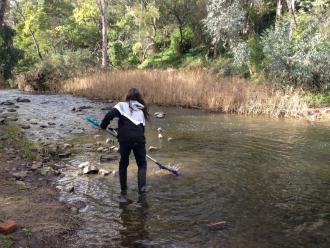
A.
pixel 9 55
pixel 184 43
pixel 304 60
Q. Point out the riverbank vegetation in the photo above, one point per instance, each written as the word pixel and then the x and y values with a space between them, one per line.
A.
pixel 279 43
pixel 193 89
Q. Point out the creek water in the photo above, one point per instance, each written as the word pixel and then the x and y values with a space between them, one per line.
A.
pixel 268 179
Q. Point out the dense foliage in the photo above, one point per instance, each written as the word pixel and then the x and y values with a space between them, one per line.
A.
pixel 279 41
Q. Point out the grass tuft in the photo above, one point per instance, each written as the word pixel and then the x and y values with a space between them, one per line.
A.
pixel 27 148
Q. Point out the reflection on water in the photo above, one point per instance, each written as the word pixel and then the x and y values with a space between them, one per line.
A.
pixel 268 179
pixel 134 222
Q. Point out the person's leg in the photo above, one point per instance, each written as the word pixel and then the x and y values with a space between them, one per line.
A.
pixel 125 150
pixel 139 150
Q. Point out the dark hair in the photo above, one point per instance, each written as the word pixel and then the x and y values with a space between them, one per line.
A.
pixel 135 95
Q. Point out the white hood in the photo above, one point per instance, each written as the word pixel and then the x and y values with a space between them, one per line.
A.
pixel 133 113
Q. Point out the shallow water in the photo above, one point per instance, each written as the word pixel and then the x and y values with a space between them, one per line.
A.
pixel 268 179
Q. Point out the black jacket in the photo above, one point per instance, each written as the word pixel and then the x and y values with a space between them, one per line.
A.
pixel 127 130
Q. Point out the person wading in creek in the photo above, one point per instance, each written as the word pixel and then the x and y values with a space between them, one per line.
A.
pixel 132 115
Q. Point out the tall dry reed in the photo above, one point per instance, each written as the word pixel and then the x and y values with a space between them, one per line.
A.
pixel 192 89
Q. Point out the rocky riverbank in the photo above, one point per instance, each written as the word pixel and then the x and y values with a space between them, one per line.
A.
pixel 28 197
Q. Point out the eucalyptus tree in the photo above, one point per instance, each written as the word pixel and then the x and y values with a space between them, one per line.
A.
pixel 3 6
pixel 103 9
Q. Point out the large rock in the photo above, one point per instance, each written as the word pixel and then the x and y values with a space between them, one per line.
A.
pixel 11 110
pixel 108 158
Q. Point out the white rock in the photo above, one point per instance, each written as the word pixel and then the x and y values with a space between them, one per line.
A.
pixel 116 149
pixel 84 164
pixel 66 146
pixel 100 149
pixel 160 136
pixel 153 148
pixel 104 172
pixel 108 141
pixel 159 115
pixel 169 139
pixel 90 169
pixel 159 129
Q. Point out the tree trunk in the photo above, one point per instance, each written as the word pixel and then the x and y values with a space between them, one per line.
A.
pixel 35 42
pixel 103 6
pixel 279 9
pixel 293 22
pixel 3 5
pixel 36 45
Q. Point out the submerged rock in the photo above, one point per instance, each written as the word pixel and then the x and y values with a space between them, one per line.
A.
pixel 7 103
pixel 108 158
pixel 11 110
pixel 107 108
pixel 25 126
pixel 23 100
pixel 12 119
pixel 218 226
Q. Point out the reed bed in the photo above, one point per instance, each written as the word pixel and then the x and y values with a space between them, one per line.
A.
pixel 191 89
